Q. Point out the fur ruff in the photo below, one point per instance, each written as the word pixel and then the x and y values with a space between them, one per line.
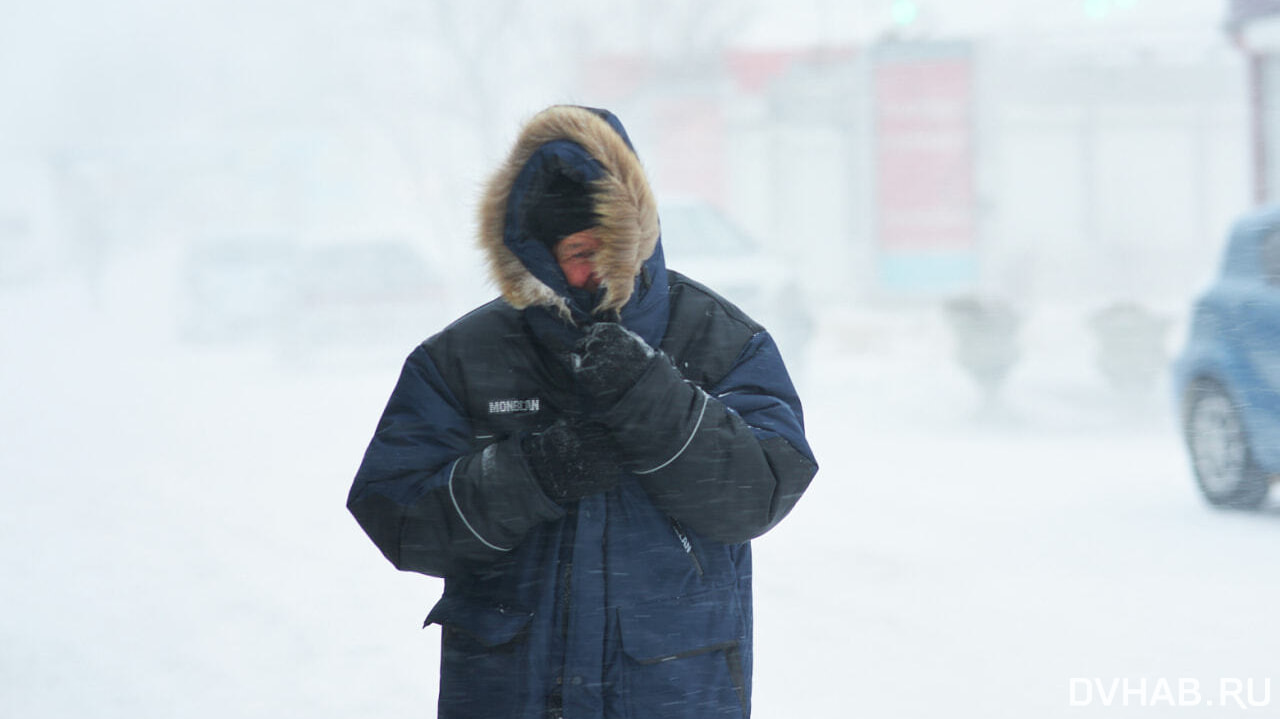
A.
pixel 628 228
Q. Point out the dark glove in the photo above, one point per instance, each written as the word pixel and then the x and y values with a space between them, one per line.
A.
pixel 609 360
pixel 572 459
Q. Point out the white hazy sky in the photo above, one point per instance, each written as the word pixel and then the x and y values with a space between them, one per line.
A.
pixel 804 21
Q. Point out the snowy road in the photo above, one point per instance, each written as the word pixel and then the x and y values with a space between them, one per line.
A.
pixel 1038 559
pixel 174 543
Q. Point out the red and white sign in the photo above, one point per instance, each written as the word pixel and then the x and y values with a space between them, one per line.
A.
pixel 924 154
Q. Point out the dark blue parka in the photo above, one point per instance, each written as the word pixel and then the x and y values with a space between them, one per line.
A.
pixel 631 603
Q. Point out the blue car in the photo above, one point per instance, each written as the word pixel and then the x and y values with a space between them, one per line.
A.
pixel 1227 378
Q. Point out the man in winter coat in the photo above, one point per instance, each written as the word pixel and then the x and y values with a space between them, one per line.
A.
pixel 585 460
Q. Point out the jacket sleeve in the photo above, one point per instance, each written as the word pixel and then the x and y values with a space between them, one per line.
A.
pixel 730 462
pixel 431 498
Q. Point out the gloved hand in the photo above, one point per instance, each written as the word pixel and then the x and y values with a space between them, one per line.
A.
pixel 609 360
pixel 572 459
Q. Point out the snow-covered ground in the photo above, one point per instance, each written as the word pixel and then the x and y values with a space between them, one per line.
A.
pixel 173 540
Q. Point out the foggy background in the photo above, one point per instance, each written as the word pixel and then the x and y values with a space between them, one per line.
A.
pixel 223 225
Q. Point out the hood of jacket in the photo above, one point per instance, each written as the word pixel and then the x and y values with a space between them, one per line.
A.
pixel 590 146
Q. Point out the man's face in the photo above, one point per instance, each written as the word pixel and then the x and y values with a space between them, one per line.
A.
pixel 576 255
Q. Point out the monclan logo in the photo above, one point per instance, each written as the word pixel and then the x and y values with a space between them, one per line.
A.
pixel 514 406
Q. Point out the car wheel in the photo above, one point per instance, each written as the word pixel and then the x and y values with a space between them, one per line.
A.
pixel 1219 446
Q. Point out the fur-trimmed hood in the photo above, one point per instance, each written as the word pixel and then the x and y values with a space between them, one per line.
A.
pixel 588 146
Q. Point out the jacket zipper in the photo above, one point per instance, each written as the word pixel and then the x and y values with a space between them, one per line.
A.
pixel 684 542
pixel 565 594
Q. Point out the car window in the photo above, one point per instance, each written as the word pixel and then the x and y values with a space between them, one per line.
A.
pixel 701 230
pixel 1269 251
pixel 358 268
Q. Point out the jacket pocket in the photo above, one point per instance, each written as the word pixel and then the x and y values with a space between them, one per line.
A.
pixel 687 545
pixel 490 625
pixel 484 658
pixel 684 657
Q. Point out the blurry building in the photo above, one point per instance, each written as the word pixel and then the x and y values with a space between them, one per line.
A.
pixel 1255 25
pixel 1032 167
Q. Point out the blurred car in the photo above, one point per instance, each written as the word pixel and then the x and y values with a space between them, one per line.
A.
pixel 237 288
pixel 700 242
pixel 365 294
pixel 1227 378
